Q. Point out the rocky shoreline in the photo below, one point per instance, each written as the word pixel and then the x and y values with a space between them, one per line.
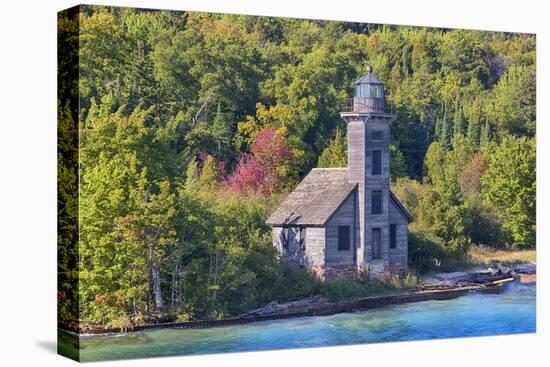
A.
pixel 481 274
pixel 482 280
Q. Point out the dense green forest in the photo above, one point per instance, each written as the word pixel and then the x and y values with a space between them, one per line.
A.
pixel 193 126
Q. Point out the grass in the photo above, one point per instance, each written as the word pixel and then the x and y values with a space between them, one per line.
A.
pixel 359 286
pixel 483 255
pixel 489 256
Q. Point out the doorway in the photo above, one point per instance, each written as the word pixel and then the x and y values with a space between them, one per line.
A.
pixel 376 245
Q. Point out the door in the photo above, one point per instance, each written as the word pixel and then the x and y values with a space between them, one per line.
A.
pixel 376 253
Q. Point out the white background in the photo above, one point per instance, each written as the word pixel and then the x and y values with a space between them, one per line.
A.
pixel 28 182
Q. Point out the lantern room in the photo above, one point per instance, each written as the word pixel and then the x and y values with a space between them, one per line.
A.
pixel 369 94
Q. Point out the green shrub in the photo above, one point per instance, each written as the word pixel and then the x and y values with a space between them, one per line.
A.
pixel 339 289
pixel 426 251
pixel 183 317
pixel 123 322
pixel 291 282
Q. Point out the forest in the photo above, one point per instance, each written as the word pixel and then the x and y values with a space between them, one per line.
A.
pixel 180 132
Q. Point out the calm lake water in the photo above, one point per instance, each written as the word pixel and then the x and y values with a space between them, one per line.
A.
pixel 513 311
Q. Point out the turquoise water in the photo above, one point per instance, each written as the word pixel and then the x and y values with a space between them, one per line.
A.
pixel 512 311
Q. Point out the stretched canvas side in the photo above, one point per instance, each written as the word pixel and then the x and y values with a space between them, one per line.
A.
pixel 68 28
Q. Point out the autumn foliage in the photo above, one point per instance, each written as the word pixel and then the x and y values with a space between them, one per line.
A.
pixel 262 170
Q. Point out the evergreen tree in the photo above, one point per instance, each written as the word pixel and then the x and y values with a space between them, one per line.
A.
pixel 222 131
pixel 210 176
pixel 485 136
pixel 191 177
pixel 458 119
pixel 446 134
pixel 437 130
pixel 335 155
pixel 473 133
pixel 398 165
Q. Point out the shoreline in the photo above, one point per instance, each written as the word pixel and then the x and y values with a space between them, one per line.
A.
pixel 475 315
pixel 449 286
pixel 324 309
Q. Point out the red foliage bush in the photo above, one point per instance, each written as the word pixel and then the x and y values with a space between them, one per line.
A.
pixel 257 172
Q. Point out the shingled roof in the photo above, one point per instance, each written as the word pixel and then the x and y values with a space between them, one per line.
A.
pixel 368 78
pixel 315 199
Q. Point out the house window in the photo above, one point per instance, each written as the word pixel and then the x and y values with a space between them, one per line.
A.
pixel 377 135
pixel 376 202
pixel 376 162
pixel 343 238
pixel 393 236
pixel 376 244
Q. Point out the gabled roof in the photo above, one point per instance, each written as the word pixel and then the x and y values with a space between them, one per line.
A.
pixel 369 78
pixel 315 199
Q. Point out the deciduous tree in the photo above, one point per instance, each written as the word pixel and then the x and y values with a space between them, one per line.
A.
pixel 510 185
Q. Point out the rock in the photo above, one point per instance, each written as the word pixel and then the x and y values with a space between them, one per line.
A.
pixel 503 269
pixel 454 276
pixel 525 268
pixel 488 270
pixel 527 278
pixel 273 308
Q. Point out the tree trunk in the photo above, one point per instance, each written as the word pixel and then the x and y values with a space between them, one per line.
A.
pixel 174 284
pixel 133 297
pixel 155 277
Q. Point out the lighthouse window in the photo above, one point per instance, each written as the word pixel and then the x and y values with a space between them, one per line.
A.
pixel 376 162
pixel 362 90
pixel 393 236
pixel 376 91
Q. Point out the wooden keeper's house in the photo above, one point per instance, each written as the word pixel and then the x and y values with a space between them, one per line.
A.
pixel 341 220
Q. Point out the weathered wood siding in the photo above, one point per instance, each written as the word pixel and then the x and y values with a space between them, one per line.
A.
pixel 314 253
pixel 356 174
pixel 315 246
pixel 398 256
pixel 345 215
pixel 377 182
